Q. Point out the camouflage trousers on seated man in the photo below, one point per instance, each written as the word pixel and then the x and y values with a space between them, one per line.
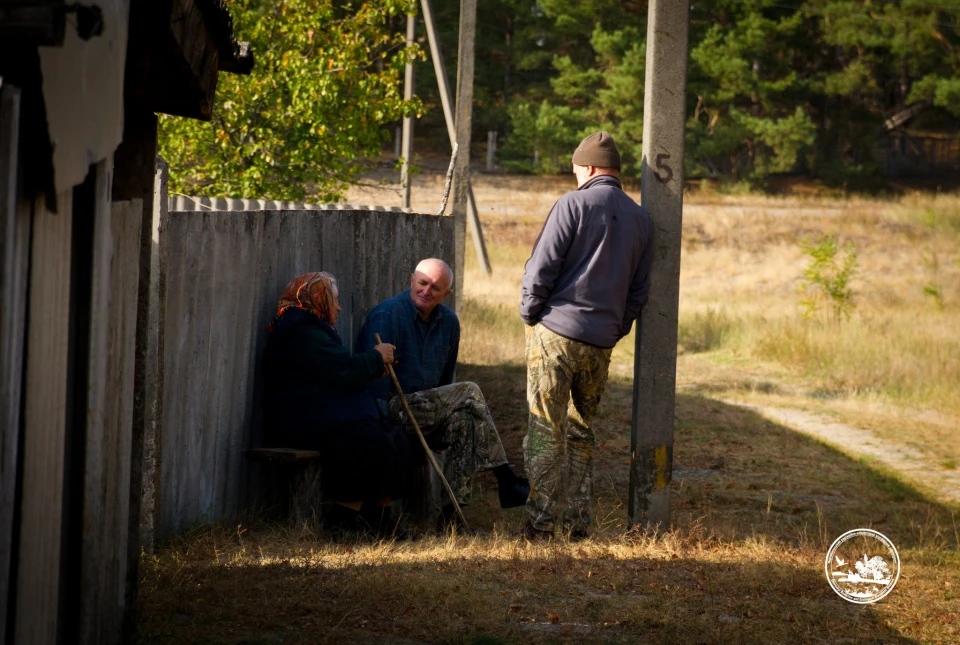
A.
pixel 565 380
pixel 455 419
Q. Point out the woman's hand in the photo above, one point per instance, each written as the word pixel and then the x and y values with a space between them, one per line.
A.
pixel 386 350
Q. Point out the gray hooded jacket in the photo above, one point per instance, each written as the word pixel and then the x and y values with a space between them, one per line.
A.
pixel 589 271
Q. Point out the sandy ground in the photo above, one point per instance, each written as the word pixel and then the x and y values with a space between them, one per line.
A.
pixel 501 195
pixel 496 195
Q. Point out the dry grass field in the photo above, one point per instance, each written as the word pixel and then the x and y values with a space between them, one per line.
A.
pixel 756 503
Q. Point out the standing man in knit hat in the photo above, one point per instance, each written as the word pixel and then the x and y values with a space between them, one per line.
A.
pixel 582 289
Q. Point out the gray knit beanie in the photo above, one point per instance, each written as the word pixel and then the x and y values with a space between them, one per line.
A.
pixel 598 150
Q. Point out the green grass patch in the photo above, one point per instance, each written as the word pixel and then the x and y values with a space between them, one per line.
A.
pixel 704 331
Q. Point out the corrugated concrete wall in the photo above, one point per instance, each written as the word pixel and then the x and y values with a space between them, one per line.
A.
pixel 219 276
pixel 185 203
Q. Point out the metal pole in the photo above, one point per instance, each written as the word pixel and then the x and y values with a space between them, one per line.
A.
pixel 407 138
pixel 655 365
pixel 447 102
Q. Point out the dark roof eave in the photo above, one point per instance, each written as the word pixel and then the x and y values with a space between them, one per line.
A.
pixel 235 57
pixel 241 62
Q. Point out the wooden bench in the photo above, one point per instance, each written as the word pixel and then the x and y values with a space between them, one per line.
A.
pixel 292 487
pixel 290 482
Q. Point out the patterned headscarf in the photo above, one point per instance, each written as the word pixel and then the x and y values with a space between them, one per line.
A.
pixel 311 292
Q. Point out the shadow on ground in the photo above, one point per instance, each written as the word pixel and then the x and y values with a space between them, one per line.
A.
pixel 755 506
pixel 543 597
pixel 737 473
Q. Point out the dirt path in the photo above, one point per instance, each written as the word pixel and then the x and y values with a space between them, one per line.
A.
pixel 907 461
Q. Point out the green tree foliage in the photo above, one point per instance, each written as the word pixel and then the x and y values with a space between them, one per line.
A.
pixel 609 92
pixel 774 86
pixel 328 76
pixel 515 44
pixel 550 131
pixel 747 122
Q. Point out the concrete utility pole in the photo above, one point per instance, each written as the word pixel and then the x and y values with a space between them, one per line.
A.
pixel 446 101
pixel 491 149
pixel 661 189
pixel 461 168
pixel 407 138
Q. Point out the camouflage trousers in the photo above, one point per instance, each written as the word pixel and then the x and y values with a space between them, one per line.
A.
pixel 456 416
pixel 565 380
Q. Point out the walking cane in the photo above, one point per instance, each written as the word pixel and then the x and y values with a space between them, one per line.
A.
pixel 423 442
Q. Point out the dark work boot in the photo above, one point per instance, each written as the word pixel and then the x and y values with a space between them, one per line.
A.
pixel 514 495
pixel 512 489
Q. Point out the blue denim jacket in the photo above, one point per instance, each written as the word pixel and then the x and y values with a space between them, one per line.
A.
pixel 426 350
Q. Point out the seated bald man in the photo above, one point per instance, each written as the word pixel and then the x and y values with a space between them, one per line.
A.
pixel 453 416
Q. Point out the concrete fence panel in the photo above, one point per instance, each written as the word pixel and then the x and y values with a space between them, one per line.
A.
pixel 220 274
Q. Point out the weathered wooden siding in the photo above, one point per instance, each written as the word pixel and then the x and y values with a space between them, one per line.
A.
pixel 906 155
pixel 108 446
pixel 153 372
pixel 14 258
pixel 45 415
pixel 95 537
pixel 219 276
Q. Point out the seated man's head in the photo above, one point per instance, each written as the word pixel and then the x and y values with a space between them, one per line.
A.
pixel 596 155
pixel 429 284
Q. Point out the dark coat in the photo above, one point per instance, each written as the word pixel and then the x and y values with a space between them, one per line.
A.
pixel 315 398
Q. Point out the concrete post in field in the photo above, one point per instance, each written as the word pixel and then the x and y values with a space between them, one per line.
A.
pixel 464 121
pixel 491 149
pixel 407 139
pixel 446 101
pixel 655 365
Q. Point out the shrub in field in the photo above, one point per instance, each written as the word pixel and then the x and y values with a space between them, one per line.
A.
pixel 705 331
pixel 827 280
pixel 932 288
pixel 933 291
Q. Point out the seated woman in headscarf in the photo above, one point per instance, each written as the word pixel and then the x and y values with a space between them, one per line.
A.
pixel 315 398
